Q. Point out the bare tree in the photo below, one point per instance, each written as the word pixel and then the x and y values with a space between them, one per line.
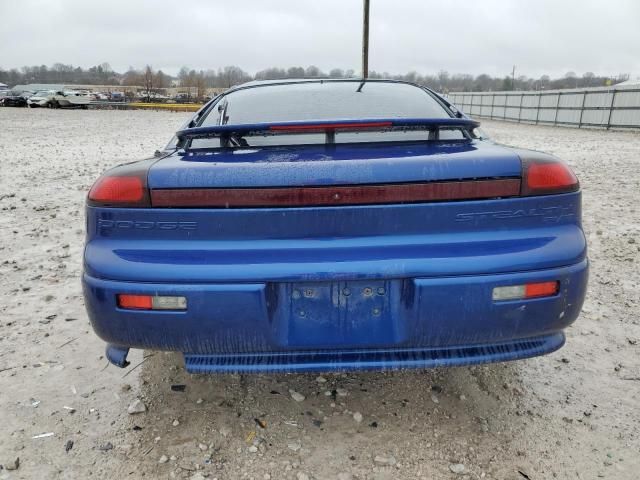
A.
pixel 313 71
pixel 131 77
pixel 162 80
pixel 572 78
pixel 148 81
pixel 588 78
pixel 295 72
pixel 200 84
pixel 232 75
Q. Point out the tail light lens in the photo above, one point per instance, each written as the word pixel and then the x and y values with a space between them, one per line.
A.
pixel 150 302
pixel 526 291
pixel 135 302
pixel 123 186
pixel 547 175
pixel 117 190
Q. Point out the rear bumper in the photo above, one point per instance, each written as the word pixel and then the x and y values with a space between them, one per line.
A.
pixel 417 322
pixel 381 359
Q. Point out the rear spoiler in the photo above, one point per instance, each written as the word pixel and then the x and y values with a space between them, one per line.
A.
pixel 329 127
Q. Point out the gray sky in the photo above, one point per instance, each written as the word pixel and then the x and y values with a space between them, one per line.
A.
pixel 474 36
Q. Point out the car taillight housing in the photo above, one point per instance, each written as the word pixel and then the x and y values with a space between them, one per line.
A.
pixel 526 291
pixel 150 302
pixel 546 175
pixel 123 186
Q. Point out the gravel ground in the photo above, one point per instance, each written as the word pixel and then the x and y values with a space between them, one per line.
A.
pixel 574 414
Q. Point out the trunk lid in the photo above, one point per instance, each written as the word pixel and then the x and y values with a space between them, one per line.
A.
pixel 334 165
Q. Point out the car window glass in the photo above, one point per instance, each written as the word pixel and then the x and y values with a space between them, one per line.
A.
pixel 309 101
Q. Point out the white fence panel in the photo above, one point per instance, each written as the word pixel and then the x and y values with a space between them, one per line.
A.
pixel 571 100
pixel 625 118
pixel 513 100
pixel 568 116
pixel 627 99
pixel 498 112
pixel 500 100
pixel 599 99
pixel 595 117
pixel 606 107
pixel 512 113
pixel 546 116
pixel 549 100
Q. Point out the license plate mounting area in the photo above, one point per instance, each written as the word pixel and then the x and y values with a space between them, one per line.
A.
pixel 344 313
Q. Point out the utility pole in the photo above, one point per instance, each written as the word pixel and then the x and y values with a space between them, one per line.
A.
pixel 513 78
pixel 365 40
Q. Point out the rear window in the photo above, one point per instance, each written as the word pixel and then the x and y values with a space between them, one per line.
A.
pixel 311 101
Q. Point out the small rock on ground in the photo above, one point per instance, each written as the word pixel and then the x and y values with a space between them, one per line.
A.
pixel 137 406
pixel 295 446
pixel 105 447
pixel 298 397
pixel 456 468
pixel 13 464
pixel 385 460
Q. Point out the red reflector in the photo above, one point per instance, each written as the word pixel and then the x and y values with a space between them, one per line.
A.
pixel 330 126
pixel 548 176
pixel 117 190
pixel 334 195
pixel 135 302
pixel 543 289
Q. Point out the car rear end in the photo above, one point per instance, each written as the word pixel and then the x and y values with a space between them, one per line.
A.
pixel 264 249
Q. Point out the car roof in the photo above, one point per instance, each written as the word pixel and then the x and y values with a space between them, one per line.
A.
pixel 291 81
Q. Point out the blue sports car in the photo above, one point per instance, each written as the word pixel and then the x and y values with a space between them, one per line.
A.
pixel 318 225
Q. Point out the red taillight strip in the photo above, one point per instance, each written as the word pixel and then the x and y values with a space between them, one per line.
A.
pixel 542 289
pixel 135 302
pixel 335 195
pixel 330 126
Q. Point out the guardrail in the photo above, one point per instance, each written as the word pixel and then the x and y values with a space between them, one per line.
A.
pixel 595 107
pixel 176 107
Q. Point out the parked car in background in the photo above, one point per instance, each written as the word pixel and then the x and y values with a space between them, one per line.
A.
pixel 70 98
pixel 182 98
pixel 117 96
pixel 335 225
pixel 42 98
pixel 152 97
pixel 14 99
pixel 98 97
